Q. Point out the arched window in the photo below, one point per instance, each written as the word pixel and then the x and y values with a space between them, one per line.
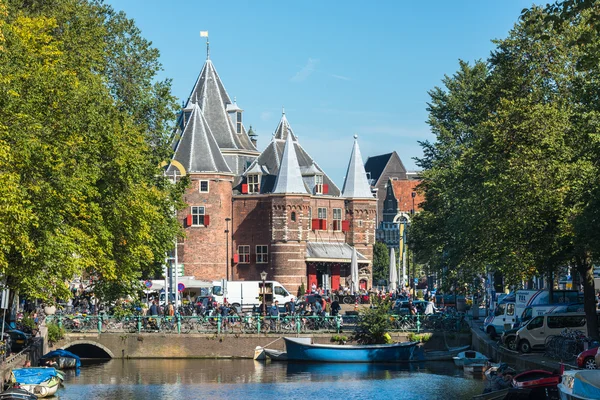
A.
pixel 293 216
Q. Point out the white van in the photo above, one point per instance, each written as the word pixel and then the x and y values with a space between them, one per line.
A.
pixel 244 295
pixel 507 312
pixel 533 335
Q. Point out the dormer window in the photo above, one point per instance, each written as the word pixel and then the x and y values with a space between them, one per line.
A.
pixel 239 121
pixel 318 184
pixel 253 183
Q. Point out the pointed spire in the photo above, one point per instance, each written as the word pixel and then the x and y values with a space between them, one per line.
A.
pixel 356 184
pixel 289 178
pixel 284 129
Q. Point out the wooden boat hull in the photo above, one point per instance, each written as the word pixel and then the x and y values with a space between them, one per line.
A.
pixel 43 389
pixel 397 352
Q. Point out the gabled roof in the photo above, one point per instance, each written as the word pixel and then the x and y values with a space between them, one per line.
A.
pixel 197 149
pixel 289 177
pixel 213 99
pixel 403 190
pixel 270 160
pixel 356 184
pixel 376 165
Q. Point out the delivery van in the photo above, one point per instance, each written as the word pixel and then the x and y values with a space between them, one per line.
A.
pixel 507 312
pixel 533 335
pixel 244 295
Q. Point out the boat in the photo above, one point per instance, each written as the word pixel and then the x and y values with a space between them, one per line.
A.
pixel 497 395
pixel 299 350
pixel 444 355
pixel 40 381
pixel 580 385
pixel 60 359
pixel 16 393
pixel 475 369
pixel 276 355
pixel 536 378
pixel 469 357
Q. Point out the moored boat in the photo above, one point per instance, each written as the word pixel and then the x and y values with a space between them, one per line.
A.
pixel 580 385
pixel 61 359
pixel 469 357
pixel 536 378
pixel 444 355
pixel 16 393
pixel 298 350
pixel 41 381
pixel 276 355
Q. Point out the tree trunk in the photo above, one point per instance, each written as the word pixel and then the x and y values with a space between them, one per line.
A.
pixel 550 287
pixel 586 272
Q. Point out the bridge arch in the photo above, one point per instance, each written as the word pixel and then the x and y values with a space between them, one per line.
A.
pixel 85 347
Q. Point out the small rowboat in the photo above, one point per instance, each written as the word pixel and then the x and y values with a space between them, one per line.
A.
pixel 469 357
pixel 535 378
pixel 41 381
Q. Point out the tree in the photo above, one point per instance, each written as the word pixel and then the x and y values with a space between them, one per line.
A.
pixel 381 262
pixel 88 196
pixel 374 323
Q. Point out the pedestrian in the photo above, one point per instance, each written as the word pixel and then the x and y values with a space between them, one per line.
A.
pixel 318 308
pixel 171 309
pixel 274 313
pixel 154 309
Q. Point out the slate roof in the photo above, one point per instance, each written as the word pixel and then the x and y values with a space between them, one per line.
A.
pixel 403 193
pixel 289 178
pixel 356 184
pixel 213 99
pixel 197 150
pixel 270 160
pixel 341 252
pixel 375 166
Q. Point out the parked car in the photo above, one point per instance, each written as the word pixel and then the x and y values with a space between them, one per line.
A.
pixel 403 308
pixel 586 359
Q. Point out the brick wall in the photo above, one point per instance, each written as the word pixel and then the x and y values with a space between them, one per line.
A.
pixel 203 250
pixel 362 216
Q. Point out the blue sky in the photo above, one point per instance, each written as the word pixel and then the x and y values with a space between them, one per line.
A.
pixel 339 67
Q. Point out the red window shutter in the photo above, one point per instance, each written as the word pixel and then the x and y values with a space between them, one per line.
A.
pixel 188 220
pixel 323 224
pixel 206 220
pixel 316 224
pixel 236 258
pixel 244 188
pixel 325 188
pixel 345 226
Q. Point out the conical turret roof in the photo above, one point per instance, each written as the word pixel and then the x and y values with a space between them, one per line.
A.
pixel 289 178
pixel 356 184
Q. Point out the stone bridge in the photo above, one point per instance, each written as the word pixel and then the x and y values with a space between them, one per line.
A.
pixel 156 345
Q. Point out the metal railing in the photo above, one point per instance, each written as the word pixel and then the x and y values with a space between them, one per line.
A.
pixel 236 324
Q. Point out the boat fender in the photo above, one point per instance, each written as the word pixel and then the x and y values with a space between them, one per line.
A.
pixel 40 391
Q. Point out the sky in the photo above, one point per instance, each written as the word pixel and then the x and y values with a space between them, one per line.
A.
pixel 339 68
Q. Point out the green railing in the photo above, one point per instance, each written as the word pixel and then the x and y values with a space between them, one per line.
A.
pixel 237 324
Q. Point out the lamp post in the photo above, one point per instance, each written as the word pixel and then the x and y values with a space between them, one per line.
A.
pixel 413 195
pixel 227 247
pixel 263 277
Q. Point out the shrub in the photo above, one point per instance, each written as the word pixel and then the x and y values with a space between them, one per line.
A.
pixel 415 337
pixel 341 339
pixel 55 333
pixel 373 323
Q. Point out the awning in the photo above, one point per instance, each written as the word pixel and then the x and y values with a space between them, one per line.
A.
pixel 332 252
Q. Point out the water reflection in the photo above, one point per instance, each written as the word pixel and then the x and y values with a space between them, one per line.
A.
pixel 176 379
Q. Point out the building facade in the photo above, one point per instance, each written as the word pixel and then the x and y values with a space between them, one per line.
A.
pixel 275 211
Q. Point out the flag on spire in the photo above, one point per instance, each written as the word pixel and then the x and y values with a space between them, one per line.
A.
pixel 203 33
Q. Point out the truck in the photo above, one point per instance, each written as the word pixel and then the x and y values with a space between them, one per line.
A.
pixel 509 309
pixel 245 295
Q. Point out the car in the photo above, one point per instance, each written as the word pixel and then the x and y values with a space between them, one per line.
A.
pixel 586 359
pixel 402 309
pixel 19 339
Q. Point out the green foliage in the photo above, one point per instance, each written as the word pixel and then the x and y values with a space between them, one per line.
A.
pixel 55 333
pixel 301 290
pixel 381 262
pixel 419 337
pixel 83 128
pixel 28 323
pixel 374 323
pixel 341 339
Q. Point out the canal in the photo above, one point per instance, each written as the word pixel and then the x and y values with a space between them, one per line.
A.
pixel 248 379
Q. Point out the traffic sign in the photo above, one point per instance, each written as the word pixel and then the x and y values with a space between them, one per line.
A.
pixel 148 284
pixel 180 287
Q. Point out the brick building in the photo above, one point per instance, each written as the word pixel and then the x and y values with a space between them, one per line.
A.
pixel 276 211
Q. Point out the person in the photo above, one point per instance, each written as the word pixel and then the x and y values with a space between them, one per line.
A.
pixel 318 308
pixel 430 309
pixel 411 308
pixel 313 288
pixel 154 309
pixel 290 307
pixel 335 308
pixel 274 313
pixel 171 310
pixel 499 381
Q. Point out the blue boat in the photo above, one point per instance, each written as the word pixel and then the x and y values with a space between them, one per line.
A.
pixel 61 359
pixel 299 350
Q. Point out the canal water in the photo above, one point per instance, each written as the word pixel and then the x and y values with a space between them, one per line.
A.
pixel 248 379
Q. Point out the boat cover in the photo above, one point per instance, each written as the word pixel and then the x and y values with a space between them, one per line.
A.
pixel 33 376
pixel 62 353
pixel 587 384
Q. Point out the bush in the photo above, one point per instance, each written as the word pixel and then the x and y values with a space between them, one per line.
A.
pixel 341 339
pixel 415 337
pixel 55 333
pixel 374 323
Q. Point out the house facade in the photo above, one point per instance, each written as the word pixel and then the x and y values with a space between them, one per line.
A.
pixel 275 211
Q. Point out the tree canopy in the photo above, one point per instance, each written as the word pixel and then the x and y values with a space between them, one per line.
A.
pixel 83 128
pixel 511 181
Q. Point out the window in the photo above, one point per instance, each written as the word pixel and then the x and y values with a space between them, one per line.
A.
pixel 244 252
pixel 293 216
pixel 310 213
pixel 253 183
pixel 319 184
pixel 510 309
pixel 197 216
pixel 262 254
pixel 322 213
pixel 281 291
pixel 499 310
pixel 337 219
pixel 239 121
pixel 535 323
pixel 203 186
